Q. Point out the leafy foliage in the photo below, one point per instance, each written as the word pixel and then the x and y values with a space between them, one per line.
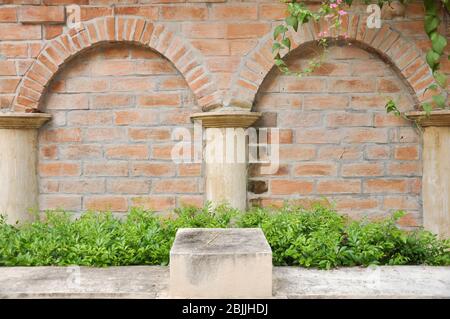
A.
pixel 318 237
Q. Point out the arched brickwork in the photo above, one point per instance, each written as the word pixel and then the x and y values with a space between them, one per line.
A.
pixel 406 59
pixel 112 29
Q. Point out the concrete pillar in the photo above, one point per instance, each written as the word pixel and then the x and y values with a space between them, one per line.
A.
pixel 18 159
pixel 225 155
pixel 436 171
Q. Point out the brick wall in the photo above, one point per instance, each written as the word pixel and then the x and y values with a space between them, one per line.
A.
pixel 219 48
pixel 109 143
pixel 337 140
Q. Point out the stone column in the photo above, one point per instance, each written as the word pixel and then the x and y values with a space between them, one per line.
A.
pixel 436 171
pixel 225 161
pixel 18 159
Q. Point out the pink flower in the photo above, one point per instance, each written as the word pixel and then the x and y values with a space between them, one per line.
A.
pixel 342 12
pixel 339 1
pixel 333 5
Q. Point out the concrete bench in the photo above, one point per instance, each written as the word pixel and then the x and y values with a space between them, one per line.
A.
pixel 220 263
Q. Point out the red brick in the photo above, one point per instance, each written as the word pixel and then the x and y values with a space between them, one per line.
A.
pixel 175 186
pixel 149 134
pixel 106 203
pixel 326 102
pixel 406 152
pixel 105 169
pixel 405 169
pixel 14 50
pixel 191 201
pixel 67 102
pixel 100 134
pixel 315 169
pixel 154 67
pixel 303 85
pixel 349 119
pixel 82 186
pixel 8 85
pixel 189 169
pixel 42 14
pixel 61 135
pixel 400 202
pixel 339 153
pixel 355 203
pixel 160 100
pixel 275 11
pixel 153 169
pixel 212 46
pixel 89 118
pixel 108 101
pixel 127 152
pixel 290 187
pixel 338 186
pixel 109 67
pixel 48 152
pixel 351 85
pixel 297 152
pixel 365 135
pixel 385 186
pixel 59 169
pixel 184 13
pixel 132 84
pixel 362 169
pixel 136 117
pixel 8 14
pixel 148 12
pixel 86 85
pixel 128 186
pixel 81 151
pixel 154 203
pixel 65 202
pixel 387 86
pixel 234 12
pixel 377 152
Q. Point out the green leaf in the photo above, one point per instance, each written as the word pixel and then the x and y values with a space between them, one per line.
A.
pixel 440 78
pixel 432 59
pixel 279 63
pixel 431 23
pixel 432 87
pixel 275 47
pixel 287 43
pixel 279 30
pixel 439 100
pixel 438 43
pixel 293 22
pixel 427 107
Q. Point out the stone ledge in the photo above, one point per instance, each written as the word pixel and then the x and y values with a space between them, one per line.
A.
pixel 23 120
pixel 223 119
pixel 436 118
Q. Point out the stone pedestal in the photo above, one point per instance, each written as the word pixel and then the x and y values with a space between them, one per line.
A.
pixel 220 263
pixel 436 171
pixel 18 160
pixel 225 155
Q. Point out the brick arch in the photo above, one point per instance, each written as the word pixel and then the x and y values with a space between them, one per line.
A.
pixel 114 29
pixel 406 59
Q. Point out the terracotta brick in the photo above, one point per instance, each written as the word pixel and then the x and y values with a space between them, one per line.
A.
pixel 362 169
pixel 348 119
pixel 89 118
pixel 318 136
pixel 48 152
pixel 12 31
pixel 354 203
pixel 14 50
pixel 290 187
pixel 405 169
pixel 315 169
pixel 410 220
pixel 184 12
pixel 8 85
pixel 326 102
pixel 191 201
pixel 234 12
pixel 377 152
pixel 127 186
pixel 406 152
pixel 157 66
pixel 339 186
pixel 189 169
pixel 65 202
pixel 400 202
pixel 133 84
pixel 297 152
pixel 269 11
pixel 108 101
pixel 42 14
pixel 175 186
pixel 82 186
pixel 59 169
pixel 99 134
pixel 152 169
pixel 136 117
pixel 149 134
pixel 339 153
pixel 365 135
pixel 81 151
pixel 108 67
pixel 160 100
pixel 67 102
pixel 8 14
pixel 86 85
pixel 127 152
pixel 148 12
pixel 303 85
pixel 109 168
pixel 106 203
pixel 154 203
pixel 351 85
pixel 387 86
pixel 61 135
pixel 385 186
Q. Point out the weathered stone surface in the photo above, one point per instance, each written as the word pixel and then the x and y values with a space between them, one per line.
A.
pixel 288 282
pixel 220 263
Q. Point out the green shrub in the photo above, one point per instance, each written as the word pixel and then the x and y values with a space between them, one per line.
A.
pixel 318 237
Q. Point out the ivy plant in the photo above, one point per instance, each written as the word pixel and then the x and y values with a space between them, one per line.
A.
pixel 333 11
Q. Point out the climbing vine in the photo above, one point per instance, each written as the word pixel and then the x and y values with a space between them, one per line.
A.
pixel 333 12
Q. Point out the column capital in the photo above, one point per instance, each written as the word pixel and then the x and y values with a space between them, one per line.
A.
pixel 23 120
pixel 436 118
pixel 227 118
